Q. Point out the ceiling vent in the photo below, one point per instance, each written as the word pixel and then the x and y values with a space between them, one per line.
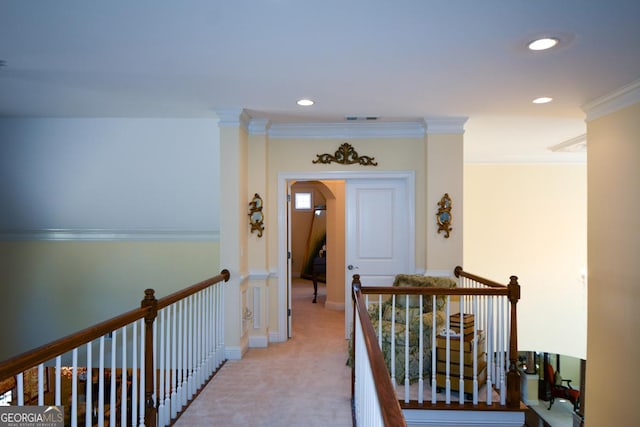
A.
pixel 363 119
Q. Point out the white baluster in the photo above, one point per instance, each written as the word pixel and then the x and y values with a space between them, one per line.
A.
pixel 124 379
pixel 380 321
pixel 74 388
pixel 191 382
pixel 101 384
pixel 185 352
pixel 58 380
pixel 489 338
pixel 475 353
pixel 406 349
pixel 214 332
pixel 200 341
pixel 434 332
pixel 201 348
pixel 179 367
pixel 393 341
pixel 448 351
pixel 134 374
pixel 167 372
pixel 40 384
pixel 207 331
pixel 160 370
pixel 221 322
pixel 112 392
pixel 421 355
pixel 461 353
pixel 20 388
pixel 142 401
pixel 155 351
pixel 88 400
pixel 503 388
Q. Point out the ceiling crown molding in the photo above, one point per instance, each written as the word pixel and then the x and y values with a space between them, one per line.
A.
pixel 259 126
pixel 234 117
pixel 347 130
pixel 616 100
pixel 445 125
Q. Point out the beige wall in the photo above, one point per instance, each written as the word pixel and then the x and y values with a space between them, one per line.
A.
pixel 437 163
pixel 57 288
pixel 613 340
pixel 444 160
pixel 336 240
pixel 398 154
pixel 530 221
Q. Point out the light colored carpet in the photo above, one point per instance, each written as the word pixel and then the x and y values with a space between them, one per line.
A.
pixel 302 382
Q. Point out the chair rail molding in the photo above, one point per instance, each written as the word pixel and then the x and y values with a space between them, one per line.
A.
pixel 109 234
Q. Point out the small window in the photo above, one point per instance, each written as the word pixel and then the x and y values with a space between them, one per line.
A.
pixel 303 201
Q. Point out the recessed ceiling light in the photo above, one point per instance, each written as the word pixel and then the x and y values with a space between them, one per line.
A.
pixel 542 100
pixel 543 43
pixel 305 102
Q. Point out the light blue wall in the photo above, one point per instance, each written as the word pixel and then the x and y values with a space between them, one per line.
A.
pixel 109 174
pixel 155 180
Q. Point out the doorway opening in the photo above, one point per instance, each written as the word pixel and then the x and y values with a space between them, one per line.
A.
pixel 338 277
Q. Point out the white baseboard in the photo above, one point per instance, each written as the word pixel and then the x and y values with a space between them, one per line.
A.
pixel 336 306
pixel 233 353
pixel 420 417
pixel 276 337
pixel 258 341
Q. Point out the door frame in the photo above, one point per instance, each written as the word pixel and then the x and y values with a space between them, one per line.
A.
pixel 284 272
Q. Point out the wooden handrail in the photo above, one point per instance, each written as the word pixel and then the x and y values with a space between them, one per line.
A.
pixel 148 310
pixel 28 359
pixel 459 272
pixel 183 293
pixel 510 291
pixel 417 290
pixel 389 405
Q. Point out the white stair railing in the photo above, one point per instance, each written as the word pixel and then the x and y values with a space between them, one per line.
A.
pixel 134 369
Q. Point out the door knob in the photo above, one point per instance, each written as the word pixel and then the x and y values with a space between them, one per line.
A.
pixel 351 267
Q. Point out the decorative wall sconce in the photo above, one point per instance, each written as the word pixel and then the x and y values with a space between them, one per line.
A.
pixel 444 215
pixel 346 155
pixel 256 218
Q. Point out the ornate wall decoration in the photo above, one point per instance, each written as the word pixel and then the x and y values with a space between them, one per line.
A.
pixel 346 155
pixel 256 218
pixel 444 215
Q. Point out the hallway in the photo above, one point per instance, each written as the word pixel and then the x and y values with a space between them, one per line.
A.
pixel 303 382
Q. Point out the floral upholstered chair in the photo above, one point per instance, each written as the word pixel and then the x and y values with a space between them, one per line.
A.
pixel 415 315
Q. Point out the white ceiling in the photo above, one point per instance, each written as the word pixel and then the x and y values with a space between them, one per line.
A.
pixel 397 60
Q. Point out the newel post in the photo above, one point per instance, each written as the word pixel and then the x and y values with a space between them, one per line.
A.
pixel 513 376
pixel 151 304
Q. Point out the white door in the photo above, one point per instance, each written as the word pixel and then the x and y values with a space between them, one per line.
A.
pixel 289 319
pixel 379 234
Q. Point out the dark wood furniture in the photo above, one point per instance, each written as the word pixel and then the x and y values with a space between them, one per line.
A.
pixel 319 273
